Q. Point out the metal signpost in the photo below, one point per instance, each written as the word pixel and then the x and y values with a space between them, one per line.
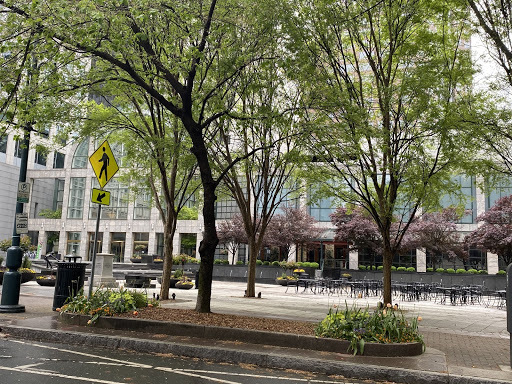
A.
pixel 12 278
pixel 105 167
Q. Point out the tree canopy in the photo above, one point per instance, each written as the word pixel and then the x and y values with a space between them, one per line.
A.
pixel 388 83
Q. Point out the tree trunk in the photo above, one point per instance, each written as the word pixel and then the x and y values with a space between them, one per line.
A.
pixel 387 259
pixel 169 231
pixel 210 239
pixel 207 250
pixel 251 269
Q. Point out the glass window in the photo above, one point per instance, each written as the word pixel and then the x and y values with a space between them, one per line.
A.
pixel 3 144
pixel 58 194
pixel 322 208
pixel 117 245
pixel 466 197
pixel 226 209
pixel 142 207
pixel 81 155
pixel 73 244
pixel 503 189
pixel 90 245
pixel 160 244
pixel 40 158
pixel 76 197
pixel 17 148
pixel 188 244
pixel 140 243
pixel 58 160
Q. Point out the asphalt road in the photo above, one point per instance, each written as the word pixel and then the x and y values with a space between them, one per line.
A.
pixel 41 363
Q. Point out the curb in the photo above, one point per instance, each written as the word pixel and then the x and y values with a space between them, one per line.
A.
pixel 262 359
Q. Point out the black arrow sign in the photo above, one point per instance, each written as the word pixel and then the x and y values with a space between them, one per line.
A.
pixel 100 196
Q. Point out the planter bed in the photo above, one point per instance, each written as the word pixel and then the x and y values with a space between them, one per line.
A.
pixel 243 335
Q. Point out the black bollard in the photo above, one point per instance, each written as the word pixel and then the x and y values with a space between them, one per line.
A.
pixel 509 307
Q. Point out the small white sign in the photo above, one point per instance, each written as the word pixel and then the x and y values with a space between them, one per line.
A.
pixel 23 192
pixel 21 223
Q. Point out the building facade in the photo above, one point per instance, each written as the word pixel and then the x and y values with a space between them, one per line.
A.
pixel 62 217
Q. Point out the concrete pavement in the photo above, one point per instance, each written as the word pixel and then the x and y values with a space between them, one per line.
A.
pixel 465 344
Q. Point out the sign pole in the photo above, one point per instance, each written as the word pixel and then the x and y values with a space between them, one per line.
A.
pixel 91 281
pixel 12 278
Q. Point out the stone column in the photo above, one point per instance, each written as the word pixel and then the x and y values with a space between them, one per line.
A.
pixel 353 260
pixel 421 260
pixel 103 274
pixel 492 263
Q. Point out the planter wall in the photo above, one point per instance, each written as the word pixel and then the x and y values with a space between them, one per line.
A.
pixel 244 335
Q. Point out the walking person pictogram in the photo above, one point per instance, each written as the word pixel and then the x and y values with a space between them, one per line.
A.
pixel 105 160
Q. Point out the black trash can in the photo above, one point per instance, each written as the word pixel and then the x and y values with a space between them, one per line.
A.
pixel 70 280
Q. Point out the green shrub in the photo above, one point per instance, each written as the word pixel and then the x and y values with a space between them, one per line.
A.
pixel 411 269
pixel 184 259
pixel 107 303
pixel 359 326
pixel 266 262
pixel 472 271
pixel 240 262
pixel 502 272
pixel 482 272
pixel 26 262
pixel 380 268
pixel 401 269
pixel 440 270
pixel 225 261
pixel 450 270
pixel 393 268
pixel 217 261
pixel 275 263
pixel 259 262
pixel 177 274
pixel 430 269
pixel 460 270
pixel 314 265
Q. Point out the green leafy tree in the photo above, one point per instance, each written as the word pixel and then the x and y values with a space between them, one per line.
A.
pixel 199 50
pixel 25 244
pixel 264 135
pixel 387 82
pixel 156 147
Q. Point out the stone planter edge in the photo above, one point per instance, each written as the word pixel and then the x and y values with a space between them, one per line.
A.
pixel 244 335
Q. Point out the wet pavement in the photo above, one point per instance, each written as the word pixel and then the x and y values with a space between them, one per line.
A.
pixel 465 343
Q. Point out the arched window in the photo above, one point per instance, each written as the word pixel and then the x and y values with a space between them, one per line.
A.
pixel 81 155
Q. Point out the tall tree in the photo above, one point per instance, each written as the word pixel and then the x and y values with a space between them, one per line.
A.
pixel 156 150
pixel 495 234
pixel 198 49
pixel 264 134
pixel 388 80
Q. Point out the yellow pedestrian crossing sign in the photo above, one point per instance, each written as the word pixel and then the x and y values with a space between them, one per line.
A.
pixel 104 164
pixel 101 197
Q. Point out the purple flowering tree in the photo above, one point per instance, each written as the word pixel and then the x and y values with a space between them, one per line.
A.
pixel 495 234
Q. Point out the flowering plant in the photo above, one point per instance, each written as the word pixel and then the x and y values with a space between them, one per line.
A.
pixel 386 325
pixel 46 277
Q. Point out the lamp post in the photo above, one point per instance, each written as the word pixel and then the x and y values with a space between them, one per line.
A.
pixel 12 278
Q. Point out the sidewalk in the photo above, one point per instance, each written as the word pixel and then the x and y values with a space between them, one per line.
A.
pixel 465 344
